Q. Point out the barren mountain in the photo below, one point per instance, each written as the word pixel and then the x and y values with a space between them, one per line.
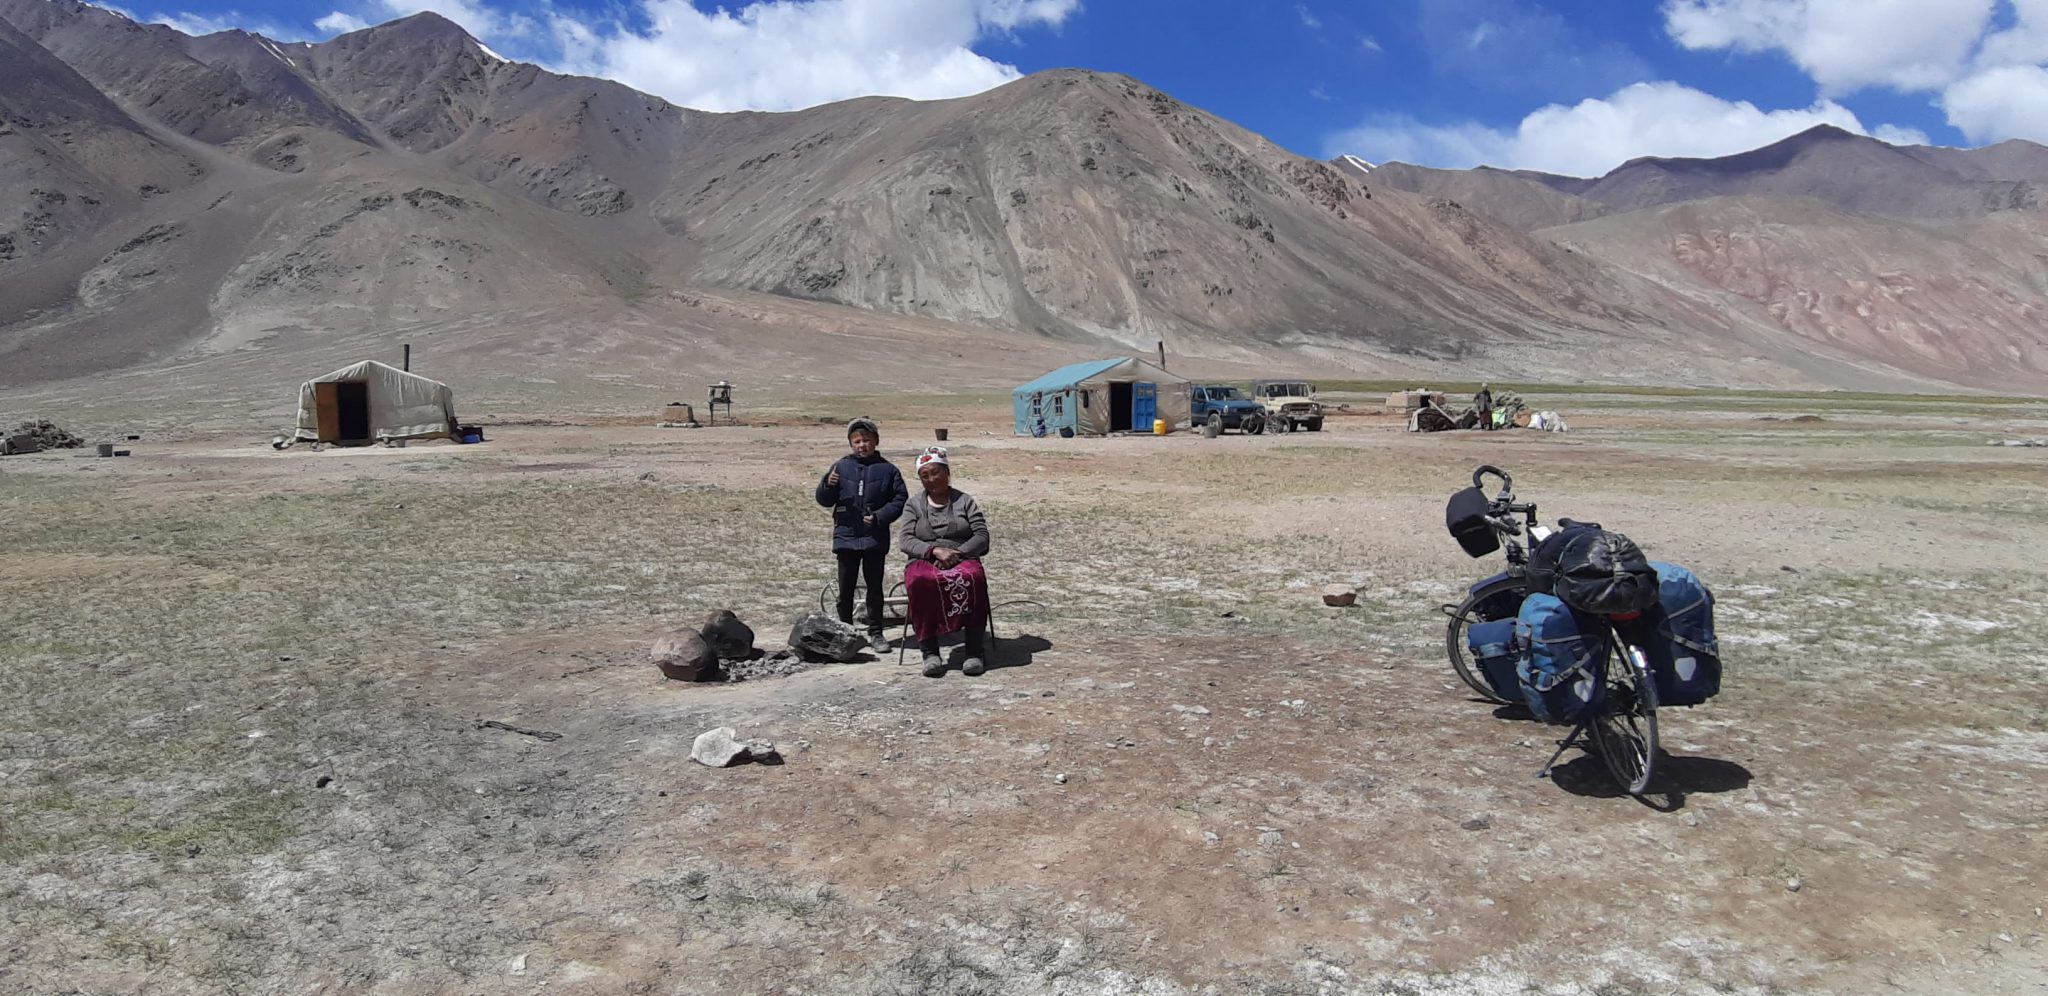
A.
pixel 230 192
pixel 1519 199
pixel 1959 299
pixel 1825 163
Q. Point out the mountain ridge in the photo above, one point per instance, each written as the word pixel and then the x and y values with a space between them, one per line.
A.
pixel 403 174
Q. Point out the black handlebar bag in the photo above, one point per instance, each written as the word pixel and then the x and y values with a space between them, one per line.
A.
pixel 1465 517
pixel 1604 573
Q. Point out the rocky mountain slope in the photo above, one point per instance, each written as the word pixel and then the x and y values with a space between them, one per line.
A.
pixel 170 196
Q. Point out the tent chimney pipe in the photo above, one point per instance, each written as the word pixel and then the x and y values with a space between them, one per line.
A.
pixel 408 357
pixel 1162 354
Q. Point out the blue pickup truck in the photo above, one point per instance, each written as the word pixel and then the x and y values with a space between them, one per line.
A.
pixel 1227 407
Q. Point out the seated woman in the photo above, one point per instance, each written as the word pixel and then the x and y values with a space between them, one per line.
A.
pixel 945 536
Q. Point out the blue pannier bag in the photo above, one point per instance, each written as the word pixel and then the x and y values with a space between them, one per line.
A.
pixel 1685 659
pixel 1496 651
pixel 1562 653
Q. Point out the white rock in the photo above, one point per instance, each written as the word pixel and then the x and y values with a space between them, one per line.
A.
pixel 718 748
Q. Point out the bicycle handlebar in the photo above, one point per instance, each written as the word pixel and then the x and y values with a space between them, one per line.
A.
pixel 1507 483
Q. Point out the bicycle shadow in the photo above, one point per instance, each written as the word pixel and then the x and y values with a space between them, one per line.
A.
pixel 1676 777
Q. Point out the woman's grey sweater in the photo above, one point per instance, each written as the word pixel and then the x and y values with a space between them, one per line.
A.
pixel 958 524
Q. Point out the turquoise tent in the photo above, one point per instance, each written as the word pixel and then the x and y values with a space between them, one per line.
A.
pixel 1098 397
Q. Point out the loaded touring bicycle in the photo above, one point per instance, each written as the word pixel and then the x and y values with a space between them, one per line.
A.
pixel 1580 628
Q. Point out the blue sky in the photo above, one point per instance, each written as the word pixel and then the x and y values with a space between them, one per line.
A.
pixel 1572 86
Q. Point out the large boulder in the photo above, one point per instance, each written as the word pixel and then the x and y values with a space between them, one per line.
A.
pixel 684 656
pixel 729 638
pixel 819 638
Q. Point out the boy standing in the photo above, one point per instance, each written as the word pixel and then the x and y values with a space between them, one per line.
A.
pixel 866 495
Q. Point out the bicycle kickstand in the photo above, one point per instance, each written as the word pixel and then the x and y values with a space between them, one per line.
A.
pixel 1565 745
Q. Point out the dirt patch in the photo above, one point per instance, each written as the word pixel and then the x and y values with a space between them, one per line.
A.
pixel 284 750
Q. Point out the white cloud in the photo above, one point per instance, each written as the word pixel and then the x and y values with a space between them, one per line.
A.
pixel 2026 42
pixel 1845 45
pixel 1308 18
pixel 476 16
pixel 1594 136
pixel 1900 135
pixel 785 54
pixel 2005 102
pixel 340 23
pixel 1369 43
pixel 196 24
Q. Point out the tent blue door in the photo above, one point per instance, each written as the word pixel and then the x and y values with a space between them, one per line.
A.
pixel 1144 406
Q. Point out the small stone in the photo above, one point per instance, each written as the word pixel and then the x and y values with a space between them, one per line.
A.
pixel 1060 779
pixel 322 782
pixel 1793 885
pixel 1788 568
pixel 1192 710
pixel 1477 823
pixel 684 656
pixel 718 748
pixel 1340 596
pixel 647 476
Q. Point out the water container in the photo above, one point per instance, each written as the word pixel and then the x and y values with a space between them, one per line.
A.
pixel 1159 427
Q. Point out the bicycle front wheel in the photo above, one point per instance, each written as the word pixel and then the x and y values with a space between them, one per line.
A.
pixel 1499 599
pixel 1626 732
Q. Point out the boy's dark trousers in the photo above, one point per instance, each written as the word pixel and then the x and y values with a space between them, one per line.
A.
pixel 868 563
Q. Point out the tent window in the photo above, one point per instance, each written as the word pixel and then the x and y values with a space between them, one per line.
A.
pixel 1084 398
pixel 1059 404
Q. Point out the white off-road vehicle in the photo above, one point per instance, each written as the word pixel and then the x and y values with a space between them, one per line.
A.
pixel 1289 404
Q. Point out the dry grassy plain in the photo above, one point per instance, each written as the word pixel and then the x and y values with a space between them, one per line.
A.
pixel 240 693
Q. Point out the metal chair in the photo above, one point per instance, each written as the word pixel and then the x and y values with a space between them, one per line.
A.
pixel 905 637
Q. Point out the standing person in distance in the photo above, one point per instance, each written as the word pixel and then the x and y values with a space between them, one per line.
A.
pixel 866 495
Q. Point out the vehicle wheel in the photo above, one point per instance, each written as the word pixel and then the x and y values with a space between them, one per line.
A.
pixel 1313 425
pixel 1279 425
pixel 1253 424
pixel 1500 599
pixel 1626 732
pixel 1216 419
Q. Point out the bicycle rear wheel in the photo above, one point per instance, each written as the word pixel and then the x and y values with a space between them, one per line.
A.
pixel 1499 599
pixel 1625 734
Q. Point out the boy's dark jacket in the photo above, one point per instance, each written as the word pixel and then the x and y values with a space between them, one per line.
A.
pixel 866 487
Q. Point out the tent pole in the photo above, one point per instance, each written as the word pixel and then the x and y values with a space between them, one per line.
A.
pixel 408 358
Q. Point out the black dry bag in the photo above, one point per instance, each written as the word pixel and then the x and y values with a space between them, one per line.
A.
pixel 1604 573
pixel 1465 516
